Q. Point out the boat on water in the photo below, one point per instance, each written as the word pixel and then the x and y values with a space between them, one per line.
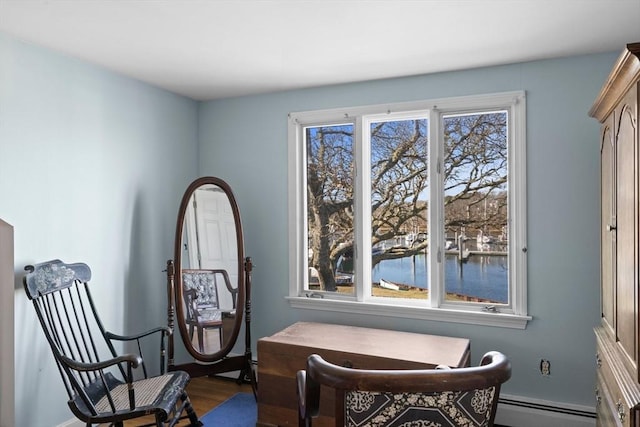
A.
pixel 483 239
pixel 389 285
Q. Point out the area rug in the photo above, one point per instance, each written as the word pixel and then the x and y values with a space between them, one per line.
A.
pixel 240 410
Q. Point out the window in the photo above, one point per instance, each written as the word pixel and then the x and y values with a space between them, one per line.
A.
pixel 413 210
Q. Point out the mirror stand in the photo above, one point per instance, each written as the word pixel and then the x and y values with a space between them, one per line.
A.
pixel 229 363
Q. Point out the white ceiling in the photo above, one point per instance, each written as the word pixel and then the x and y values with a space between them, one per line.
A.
pixel 207 49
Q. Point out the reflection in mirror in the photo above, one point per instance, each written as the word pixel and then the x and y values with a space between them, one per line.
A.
pixel 209 244
pixel 204 314
pixel 209 282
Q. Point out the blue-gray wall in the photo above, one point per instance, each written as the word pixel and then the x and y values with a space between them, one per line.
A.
pixel 244 140
pixel 93 165
pixel 92 169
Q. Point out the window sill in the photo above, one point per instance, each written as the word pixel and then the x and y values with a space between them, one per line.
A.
pixel 502 320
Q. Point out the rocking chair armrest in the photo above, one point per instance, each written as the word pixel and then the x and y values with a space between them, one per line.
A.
pixel 113 336
pixel 138 338
pixel 133 360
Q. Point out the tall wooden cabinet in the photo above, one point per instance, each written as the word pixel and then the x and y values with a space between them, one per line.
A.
pixel 617 338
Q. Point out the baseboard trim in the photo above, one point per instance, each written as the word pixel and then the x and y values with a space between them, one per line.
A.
pixel 518 411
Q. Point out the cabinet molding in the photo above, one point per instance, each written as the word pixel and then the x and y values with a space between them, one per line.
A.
pixel 624 75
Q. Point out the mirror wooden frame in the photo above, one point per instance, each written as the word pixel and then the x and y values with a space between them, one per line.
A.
pixel 220 361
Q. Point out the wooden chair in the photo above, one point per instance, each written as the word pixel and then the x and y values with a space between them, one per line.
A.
pixel 431 397
pixel 200 289
pixel 100 383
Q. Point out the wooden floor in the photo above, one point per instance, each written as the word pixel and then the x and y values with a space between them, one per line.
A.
pixel 205 394
pixel 208 392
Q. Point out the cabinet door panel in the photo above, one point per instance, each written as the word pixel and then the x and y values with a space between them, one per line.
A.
pixel 626 239
pixel 608 224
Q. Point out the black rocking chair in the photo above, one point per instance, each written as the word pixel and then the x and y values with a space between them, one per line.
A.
pixel 100 383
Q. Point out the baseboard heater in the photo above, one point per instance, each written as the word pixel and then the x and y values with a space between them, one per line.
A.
pixel 517 411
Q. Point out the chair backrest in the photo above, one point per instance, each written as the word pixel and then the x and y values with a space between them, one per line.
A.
pixel 66 311
pixel 203 282
pixel 431 397
pixel 207 285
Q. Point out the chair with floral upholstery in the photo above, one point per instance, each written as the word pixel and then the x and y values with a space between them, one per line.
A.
pixel 201 298
pixel 441 397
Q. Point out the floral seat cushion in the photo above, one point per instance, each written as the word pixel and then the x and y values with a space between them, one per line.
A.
pixel 442 409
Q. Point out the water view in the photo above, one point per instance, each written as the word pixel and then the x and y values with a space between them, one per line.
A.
pixel 481 276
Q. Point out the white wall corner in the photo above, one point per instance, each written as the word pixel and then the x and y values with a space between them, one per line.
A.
pixel 7 357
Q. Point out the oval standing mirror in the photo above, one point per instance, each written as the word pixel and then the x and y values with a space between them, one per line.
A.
pixel 209 280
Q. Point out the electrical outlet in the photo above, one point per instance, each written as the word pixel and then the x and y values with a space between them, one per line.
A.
pixel 545 367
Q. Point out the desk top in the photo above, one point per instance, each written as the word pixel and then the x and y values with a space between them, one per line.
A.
pixel 407 346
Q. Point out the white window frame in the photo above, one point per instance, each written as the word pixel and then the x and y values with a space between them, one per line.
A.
pixel 512 316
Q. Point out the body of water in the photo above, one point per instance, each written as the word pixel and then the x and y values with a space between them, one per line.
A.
pixel 482 276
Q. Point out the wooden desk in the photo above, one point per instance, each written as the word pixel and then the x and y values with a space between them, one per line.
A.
pixel 281 355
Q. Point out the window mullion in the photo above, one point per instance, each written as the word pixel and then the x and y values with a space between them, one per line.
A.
pixel 362 220
pixel 435 265
pixel 297 207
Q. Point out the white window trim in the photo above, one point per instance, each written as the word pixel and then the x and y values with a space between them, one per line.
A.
pixel 436 309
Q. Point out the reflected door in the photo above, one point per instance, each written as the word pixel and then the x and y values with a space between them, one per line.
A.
pixel 214 237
